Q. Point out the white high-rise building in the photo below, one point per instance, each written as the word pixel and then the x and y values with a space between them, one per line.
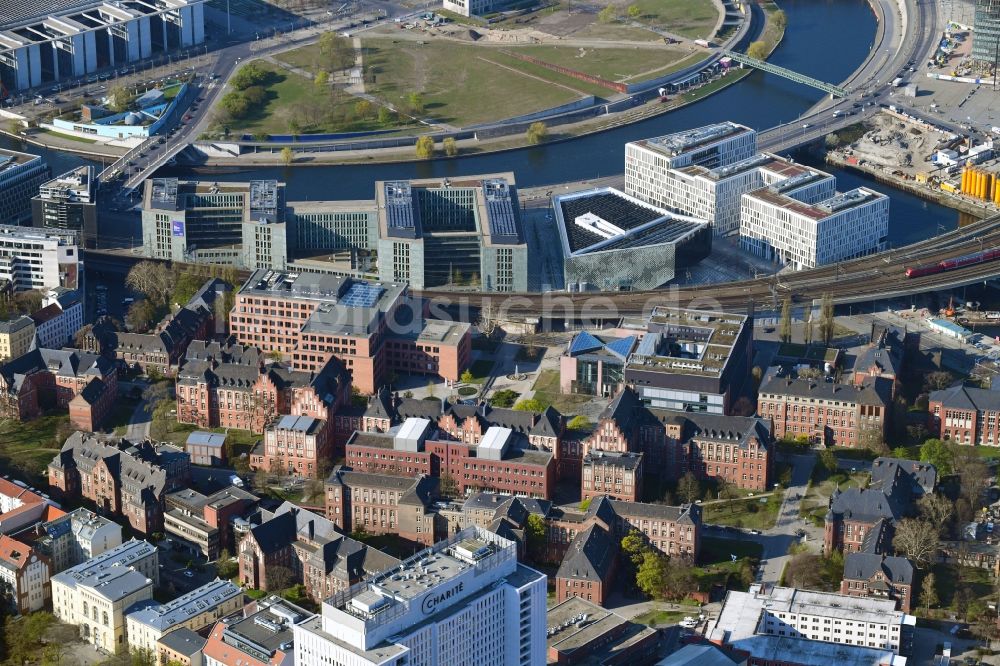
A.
pixel 663 170
pixel 462 601
pixel 777 226
pixel 38 259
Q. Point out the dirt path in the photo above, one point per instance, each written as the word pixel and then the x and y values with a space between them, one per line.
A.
pixel 532 76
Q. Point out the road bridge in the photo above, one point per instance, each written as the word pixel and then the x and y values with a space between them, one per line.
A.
pixel 792 75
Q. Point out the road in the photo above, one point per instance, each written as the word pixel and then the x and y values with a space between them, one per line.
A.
pixel 777 540
pixel 138 423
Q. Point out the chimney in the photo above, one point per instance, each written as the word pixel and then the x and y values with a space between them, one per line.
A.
pixel 311 530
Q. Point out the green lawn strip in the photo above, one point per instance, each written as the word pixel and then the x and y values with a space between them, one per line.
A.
pixel 614 64
pixel 675 66
pixel 546 391
pixel 617 32
pixel 71 137
pixel 715 550
pixel 29 447
pixel 952 578
pixel 689 18
pixel 457 84
pixel 661 618
pixel 749 513
pixel 557 79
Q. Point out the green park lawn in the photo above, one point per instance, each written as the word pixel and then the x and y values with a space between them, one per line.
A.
pixel 27 448
pixel 694 19
pixel 748 513
pixel 546 391
pixel 614 64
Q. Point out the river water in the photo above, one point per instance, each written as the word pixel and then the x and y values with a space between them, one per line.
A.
pixel 825 39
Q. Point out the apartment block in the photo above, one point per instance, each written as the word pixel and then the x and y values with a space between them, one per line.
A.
pixel 373 328
pixel 965 415
pixel 76 537
pixel 21 174
pixel 16 337
pixel 69 202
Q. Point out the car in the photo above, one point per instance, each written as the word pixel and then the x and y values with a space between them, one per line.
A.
pixel 805 125
pixel 755 532
pixel 188 573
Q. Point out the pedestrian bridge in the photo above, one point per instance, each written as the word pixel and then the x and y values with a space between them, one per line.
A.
pixel 836 91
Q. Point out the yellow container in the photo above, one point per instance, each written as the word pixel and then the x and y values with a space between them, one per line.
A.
pixel 965 178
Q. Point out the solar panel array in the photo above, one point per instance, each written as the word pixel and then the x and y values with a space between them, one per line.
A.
pixel 500 211
pixel 621 347
pixel 399 205
pixel 362 295
pixel 584 342
pixel 618 211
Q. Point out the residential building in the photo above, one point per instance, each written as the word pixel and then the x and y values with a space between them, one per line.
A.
pixel 76 537
pixel 308 548
pixel 777 226
pixel 612 241
pixel 37 258
pixel 203 523
pixel 206 448
pixel 826 412
pixel 16 337
pixel 594 364
pixel 615 474
pixel 861 519
pixel 432 231
pixel 24 574
pixel 880 577
pixel 466 600
pixel 785 625
pixel 581 632
pixel 373 328
pixel 97 593
pixel 692 360
pixel 121 477
pixel 382 504
pixel 965 415
pixel 502 460
pixel 588 569
pixel 59 319
pixel 83 383
pixel 182 646
pixel 148 622
pixel 69 202
pixel 262 635
pixel 22 507
pixel 46 45
pixel 21 174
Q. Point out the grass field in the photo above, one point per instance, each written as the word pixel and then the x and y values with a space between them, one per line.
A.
pixel 662 618
pixel 546 389
pixel 748 513
pixel 27 448
pixel 688 18
pixel 815 502
pixel 480 371
pixel 614 64
pixel 459 85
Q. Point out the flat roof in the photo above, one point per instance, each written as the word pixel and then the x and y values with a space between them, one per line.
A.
pixel 693 139
pixel 204 599
pixel 268 628
pixel 683 341
pixel 17 14
pixel 817 212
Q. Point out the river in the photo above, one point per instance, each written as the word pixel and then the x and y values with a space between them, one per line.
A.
pixel 825 39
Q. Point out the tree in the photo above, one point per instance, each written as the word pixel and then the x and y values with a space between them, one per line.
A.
pixel 385 116
pixel 504 398
pixel 726 490
pixel 780 19
pixel 336 50
pixel 928 592
pixel 153 279
pixel 937 453
pixel 973 473
pixel 651 574
pixel 634 547
pixel 425 147
pixel 785 327
pixel 415 101
pixel 938 380
pixel 585 503
pixel 529 405
pixel 363 108
pixel 680 580
pixel 251 74
pixel 141 316
pixel 279 578
pixel 804 570
pixel 447 485
pixel 534 536
pixel 831 140
pixel 810 373
pixel 758 49
pixel 121 99
pixel 467 376
pixel 827 321
pixel 287 156
pixel 450 146
pixel 226 566
pixel 689 488
pixel 608 15
pixel 321 80
pixel 431 388
pixel 142 657
pixel 537 132
pixel 807 332
pixel 578 422
pixel 871 438
pixel 633 12
pixel 937 510
pixel 917 539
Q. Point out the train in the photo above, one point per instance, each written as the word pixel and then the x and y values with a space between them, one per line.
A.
pixel 953 263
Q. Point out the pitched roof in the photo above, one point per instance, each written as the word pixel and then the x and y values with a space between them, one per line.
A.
pixel 968 398
pixel 862 566
pixel 867 504
pixel 716 427
pixel 871 393
pixel 921 475
pixel 549 424
pixel 13 553
pixel 623 409
pixel 590 556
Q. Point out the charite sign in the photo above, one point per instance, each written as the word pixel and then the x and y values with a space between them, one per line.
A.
pixel 432 601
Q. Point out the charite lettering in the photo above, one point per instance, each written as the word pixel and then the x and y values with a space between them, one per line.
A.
pixel 432 601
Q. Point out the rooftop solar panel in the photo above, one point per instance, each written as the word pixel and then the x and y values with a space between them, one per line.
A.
pixel 500 211
pixel 584 342
pixel 399 205
pixel 621 347
pixel 362 295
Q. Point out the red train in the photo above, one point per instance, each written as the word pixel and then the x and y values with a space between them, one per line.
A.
pixel 952 264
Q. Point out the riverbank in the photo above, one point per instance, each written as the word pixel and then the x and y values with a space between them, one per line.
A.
pixel 771 32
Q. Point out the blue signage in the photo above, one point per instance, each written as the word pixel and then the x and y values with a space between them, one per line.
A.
pixel 177 227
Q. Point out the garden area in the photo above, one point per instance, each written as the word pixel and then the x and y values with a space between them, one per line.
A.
pixel 825 479
pixel 757 513
pixel 27 448
pixel 546 392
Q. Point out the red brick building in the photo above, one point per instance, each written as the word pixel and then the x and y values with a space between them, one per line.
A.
pixel 617 475
pixel 373 328
pixel 588 569
pixel 879 576
pixel 382 504
pixel 966 415
pixel 120 477
pixel 825 412
pixel 85 384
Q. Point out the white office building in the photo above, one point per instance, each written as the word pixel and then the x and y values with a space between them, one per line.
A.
pixel 41 43
pixel 38 259
pixel 787 625
pixel 463 601
pixel 21 174
pixel 76 537
pixel 652 166
pixel 95 594
pixel 195 610
pixel 781 228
